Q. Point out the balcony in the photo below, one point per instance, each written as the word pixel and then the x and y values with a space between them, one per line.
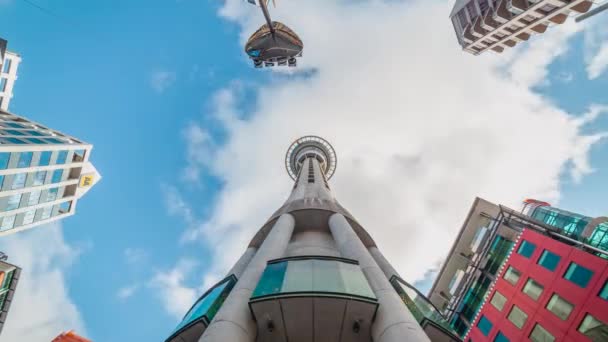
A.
pixel 427 315
pixel 191 328
pixel 313 298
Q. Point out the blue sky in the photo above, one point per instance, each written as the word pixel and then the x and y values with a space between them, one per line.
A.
pixel 162 90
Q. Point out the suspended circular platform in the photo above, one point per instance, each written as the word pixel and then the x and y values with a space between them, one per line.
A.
pixel 281 48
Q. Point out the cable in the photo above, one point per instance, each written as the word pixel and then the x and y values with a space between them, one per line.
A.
pixel 49 12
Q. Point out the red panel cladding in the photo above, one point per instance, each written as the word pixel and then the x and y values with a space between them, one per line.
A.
pixel 585 300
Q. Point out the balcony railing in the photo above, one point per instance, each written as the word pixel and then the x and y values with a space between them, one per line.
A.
pixel 194 323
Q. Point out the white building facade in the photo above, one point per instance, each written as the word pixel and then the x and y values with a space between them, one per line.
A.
pixel 483 25
pixel 8 76
pixel 43 173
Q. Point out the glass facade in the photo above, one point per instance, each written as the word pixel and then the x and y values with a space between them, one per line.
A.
pixel 599 237
pixel 540 334
pixel 334 277
pixel 206 306
pixel 526 249
pixel 578 274
pixel 549 260
pixel 484 325
pixel 533 289
pixel 517 316
pixel 559 307
pixel 569 223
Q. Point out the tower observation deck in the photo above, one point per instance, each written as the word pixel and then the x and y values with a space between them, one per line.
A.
pixel 311 273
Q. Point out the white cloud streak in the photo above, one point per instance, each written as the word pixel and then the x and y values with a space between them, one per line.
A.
pixel 127 292
pixel 596 46
pixel 161 80
pixel 171 290
pixel 42 306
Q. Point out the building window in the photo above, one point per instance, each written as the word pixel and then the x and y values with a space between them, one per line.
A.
pixel 512 275
pixel 65 207
pixel 560 307
pixel 578 274
pixel 8 222
pixel 540 334
pixel 593 328
pixel 15 141
pixel 2 84
pixel 34 198
pixel 29 217
pixel 39 178
pixel 533 289
pixel 517 317
pixel 498 300
pixel 484 325
pixel 61 157
pixel 36 141
pixel 4 159
pixel 14 132
pixel 78 156
pixel 25 159
pixel 599 238
pixel 549 260
pixel 19 181
pixel 604 293
pixel 501 338
pixel 52 194
pixel 7 65
pixel 57 174
pixel 45 158
pixel 526 249
pixel 13 202
pixel 46 212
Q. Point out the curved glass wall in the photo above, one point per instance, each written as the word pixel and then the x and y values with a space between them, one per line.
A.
pixel 599 237
pixel 568 223
pixel 203 311
pixel 313 275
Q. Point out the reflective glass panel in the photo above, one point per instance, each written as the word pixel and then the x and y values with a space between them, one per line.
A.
pixel 559 307
pixel 15 141
pixel 354 280
pixel 4 159
pixel 327 277
pixel 28 217
pixel 46 212
pixel 484 325
pixel 533 289
pixel 13 132
pixel 61 156
pixel 64 207
pixel 25 159
pixel 8 222
pixel 45 158
pixel 593 328
pixel 578 274
pixel 13 202
pixel 34 198
pixel 57 174
pixel 271 281
pixel 526 249
pixel 540 334
pixel 39 178
pixel 298 277
pixel 52 194
pixel 517 317
pixel 549 260
pixel 501 338
pixel 498 300
pixel 19 181
pixel 604 293
pixel 512 275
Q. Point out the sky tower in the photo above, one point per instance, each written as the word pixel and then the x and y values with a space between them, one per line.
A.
pixel 311 273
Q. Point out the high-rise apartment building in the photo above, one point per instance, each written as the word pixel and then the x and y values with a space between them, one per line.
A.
pixel 43 173
pixel 9 277
pixel 483 25
pixel 312 273
pixel 538 275
pixel 9 62
pixel 70 336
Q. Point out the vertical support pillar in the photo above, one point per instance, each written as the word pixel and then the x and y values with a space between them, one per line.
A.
pixel 385 266
pixel 233 322
pixel 242 263
pixel 394 322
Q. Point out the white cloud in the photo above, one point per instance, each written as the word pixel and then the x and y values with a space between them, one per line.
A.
pixel 127 291
pixel 42 306
pixel 596 46
pixel 176 205
pixel 599 62
pixel 420 128
pixel 161 80
pixel 135 255
pixel 176 297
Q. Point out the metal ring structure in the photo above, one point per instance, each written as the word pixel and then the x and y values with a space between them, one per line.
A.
pixel 311 141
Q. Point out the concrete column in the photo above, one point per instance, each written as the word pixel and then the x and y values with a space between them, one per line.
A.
pixel 242 263
pixel 394 322
pixel 233 322
pixel 385 266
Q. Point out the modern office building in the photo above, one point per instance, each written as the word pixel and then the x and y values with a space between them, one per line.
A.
pixel 9 63
pixel 9 277
pixel 538 275
pixel 312 273
pixel 43 173
pixel 495 25
pixel 70 336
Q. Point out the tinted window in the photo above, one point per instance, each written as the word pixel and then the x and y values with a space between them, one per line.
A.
pixel 25 159
pixel 484 325
pixel 4 159
pixel 578 274
pixel 593 328
pixel 540 334
pixel 501 338
pixel 526 249
pixel 549 260
pixel 533 289
pixel 512 275
pixel 517 316
pixel 498 301
pixel 61 157
pixel 45 158
pixel 559 307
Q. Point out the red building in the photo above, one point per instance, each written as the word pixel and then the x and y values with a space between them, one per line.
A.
pixel 547 290
pixel 70 336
